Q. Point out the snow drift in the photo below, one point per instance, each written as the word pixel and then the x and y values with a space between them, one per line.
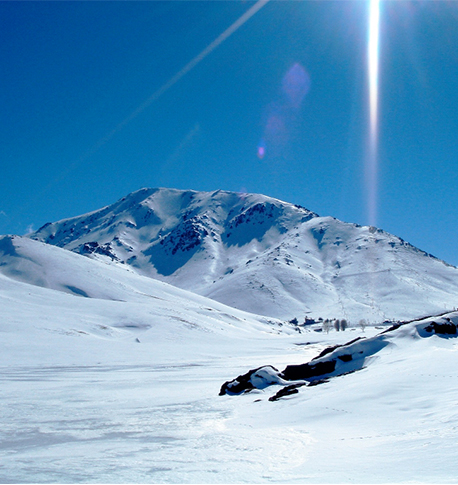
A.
pixel 341 359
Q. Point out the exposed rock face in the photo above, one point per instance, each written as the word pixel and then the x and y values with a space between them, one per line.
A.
pixel 95 248
pixel 286 391
pixel 254 379
pixel 309 371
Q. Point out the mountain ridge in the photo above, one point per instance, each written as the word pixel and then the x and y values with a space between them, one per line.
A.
pixel 262 255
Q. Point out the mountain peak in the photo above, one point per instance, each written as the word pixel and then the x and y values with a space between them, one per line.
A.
pixel 261 254
pixel 154 207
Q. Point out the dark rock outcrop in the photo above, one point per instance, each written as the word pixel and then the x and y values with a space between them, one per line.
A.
pixel 285 391
pixel 446 328
pixel 338 360
pixel 330 349
pixel 309 370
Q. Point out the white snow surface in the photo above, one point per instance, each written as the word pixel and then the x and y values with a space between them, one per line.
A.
pixel 262 255
pixel 111 377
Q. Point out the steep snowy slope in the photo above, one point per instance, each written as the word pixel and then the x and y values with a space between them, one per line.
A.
pixel 262 255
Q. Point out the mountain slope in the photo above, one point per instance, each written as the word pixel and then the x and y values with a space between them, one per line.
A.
pixel 262 255
pixel 54 291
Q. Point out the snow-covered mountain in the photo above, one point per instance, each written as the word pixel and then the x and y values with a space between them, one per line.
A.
pixel 111 374
pixel 262 255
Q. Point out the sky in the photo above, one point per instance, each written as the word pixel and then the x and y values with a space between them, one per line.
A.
pixel 99 99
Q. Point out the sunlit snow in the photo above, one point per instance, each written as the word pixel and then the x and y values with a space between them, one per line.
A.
pixel 119 380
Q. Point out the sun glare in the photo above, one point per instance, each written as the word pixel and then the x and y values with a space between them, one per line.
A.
pixel 373 79
pixel 373 58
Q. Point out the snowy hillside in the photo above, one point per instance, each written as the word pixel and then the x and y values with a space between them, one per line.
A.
pixel 262 255
pixel 109 299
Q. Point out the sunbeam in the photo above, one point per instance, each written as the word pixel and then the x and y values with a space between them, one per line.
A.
pixel 373 80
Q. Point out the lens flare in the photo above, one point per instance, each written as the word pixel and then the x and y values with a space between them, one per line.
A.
pixel 283 113
pixel 296 84
pixel 261 149
pixel 372 153
pixel 373 80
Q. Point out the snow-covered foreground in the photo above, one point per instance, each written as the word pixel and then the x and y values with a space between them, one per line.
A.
pixel 395 421
pixel 123 387
pixel 139 419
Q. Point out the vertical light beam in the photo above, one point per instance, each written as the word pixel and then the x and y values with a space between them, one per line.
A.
pixel 372 149
pixel 373 80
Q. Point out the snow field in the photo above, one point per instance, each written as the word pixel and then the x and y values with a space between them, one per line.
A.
pixel 122 387
pixel 125 412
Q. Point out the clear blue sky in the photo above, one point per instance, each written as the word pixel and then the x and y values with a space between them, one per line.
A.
pixel 292 79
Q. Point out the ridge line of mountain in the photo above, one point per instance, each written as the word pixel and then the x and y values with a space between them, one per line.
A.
pixel 261 255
